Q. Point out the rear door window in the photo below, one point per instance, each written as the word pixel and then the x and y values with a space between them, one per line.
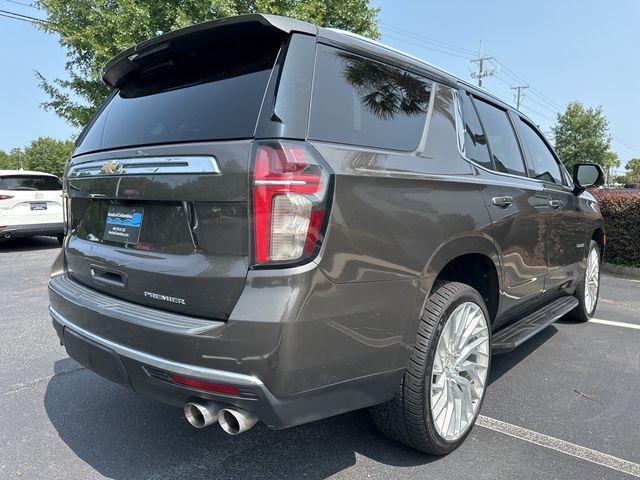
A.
pixel 359 101
pixel 542 163
pixel 30 182
pixel 505 150
pixel 475 140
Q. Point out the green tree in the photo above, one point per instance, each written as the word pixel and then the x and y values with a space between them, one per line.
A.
pixel 633 170
pixel 582 135
pixel 46 154
pixel 6 161
pixel 610 163
pixel 93 31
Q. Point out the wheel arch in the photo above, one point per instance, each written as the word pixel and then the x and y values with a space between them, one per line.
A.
pixel 598 235
pixel 461 259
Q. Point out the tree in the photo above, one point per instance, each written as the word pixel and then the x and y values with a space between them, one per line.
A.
pixel 46 154
pixel 610 163
pixel 14 160
pixel 633 170
pixel 94 31
pixel 582 135
pixel 6 161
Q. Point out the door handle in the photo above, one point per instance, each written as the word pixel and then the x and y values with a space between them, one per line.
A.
pixel 107 277
pixel 503 202
pixel 556 204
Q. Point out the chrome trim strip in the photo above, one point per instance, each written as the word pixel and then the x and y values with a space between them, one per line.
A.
pixel 146 166
pixel 427 122
pixel 159 362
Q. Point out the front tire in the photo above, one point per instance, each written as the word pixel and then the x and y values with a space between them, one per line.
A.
pixel 442 390
pixel 588 289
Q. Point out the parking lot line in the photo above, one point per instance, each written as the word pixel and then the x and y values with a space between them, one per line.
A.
pixel 561 446
pixel 615 324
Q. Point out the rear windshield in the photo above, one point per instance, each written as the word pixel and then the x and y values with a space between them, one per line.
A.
pixel 30 182
pixel 213 93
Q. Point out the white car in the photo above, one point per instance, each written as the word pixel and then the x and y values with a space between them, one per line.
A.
pixel 30 204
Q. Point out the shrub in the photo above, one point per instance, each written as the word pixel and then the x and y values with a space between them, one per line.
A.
pixel 621 213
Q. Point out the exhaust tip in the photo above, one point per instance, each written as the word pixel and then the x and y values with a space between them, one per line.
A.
pixel 7 235
pixel 201 415
pixel 236 421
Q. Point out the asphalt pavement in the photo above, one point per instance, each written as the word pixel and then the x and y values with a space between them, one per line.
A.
pixel 563 406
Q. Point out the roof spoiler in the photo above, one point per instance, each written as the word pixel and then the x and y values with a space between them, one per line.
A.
pixel 119 68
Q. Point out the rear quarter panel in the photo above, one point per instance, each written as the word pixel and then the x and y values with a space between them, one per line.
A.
pixel 396 220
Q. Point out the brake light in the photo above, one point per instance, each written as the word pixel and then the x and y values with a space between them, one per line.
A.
pixel 5 197
pixel 289 201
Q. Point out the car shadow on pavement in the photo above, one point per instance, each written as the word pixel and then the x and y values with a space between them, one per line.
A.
pixel 501 364
pixel 124 436
pixel 28 244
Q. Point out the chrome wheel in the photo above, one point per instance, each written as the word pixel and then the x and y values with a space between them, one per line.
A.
pixel 591 281
pixel 459 373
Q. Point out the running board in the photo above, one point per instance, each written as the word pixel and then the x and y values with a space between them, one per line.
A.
pixel 516 333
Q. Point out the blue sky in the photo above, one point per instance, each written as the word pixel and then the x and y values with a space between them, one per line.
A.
pixel 564 50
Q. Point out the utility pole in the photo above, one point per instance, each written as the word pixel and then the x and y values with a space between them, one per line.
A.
pixel 520 94
pixel 482 72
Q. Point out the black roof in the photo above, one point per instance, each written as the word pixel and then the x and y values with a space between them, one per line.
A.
pixel 116 70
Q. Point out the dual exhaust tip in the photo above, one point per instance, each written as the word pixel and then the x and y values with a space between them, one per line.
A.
pixel 233 421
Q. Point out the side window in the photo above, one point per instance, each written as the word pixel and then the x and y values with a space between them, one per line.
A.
pixel 359 101
pixel 502 139
pixel 542 163
pixel 475 141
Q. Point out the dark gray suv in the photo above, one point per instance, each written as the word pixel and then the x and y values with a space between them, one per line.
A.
pixel 273 221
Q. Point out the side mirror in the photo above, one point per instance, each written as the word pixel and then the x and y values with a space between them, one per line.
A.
pixel 587 175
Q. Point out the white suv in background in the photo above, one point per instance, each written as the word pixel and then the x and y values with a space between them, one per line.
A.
pixel 30 204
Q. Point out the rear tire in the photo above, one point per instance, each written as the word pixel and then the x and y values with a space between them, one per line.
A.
pixel 441 372
pixel 588 289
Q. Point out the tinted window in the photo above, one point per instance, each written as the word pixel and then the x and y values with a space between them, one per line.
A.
pixel 542 163
pixel 30 182
pixel 502 140
pixel 211 94
pixel 362 102
pixel 475 141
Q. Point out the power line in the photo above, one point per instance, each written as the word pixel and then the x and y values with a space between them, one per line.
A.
pixel 538 113
pixel 16 18
pixel 440 43
pixel 629 147
pixel 422 45
pixel 30 5
pixel 20 16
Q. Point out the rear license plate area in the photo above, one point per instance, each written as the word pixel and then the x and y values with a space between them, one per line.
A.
pixel 38 206
pixel 123 224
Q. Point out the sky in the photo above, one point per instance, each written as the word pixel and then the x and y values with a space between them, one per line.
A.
pixel 563 50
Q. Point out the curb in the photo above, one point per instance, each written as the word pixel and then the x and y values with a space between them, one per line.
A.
pixel 633 272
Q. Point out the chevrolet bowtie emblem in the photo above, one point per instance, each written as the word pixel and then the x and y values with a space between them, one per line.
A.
pixel 110 167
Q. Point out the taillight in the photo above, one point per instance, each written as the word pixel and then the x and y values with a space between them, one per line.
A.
pixel 5 197
pixel 290 185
